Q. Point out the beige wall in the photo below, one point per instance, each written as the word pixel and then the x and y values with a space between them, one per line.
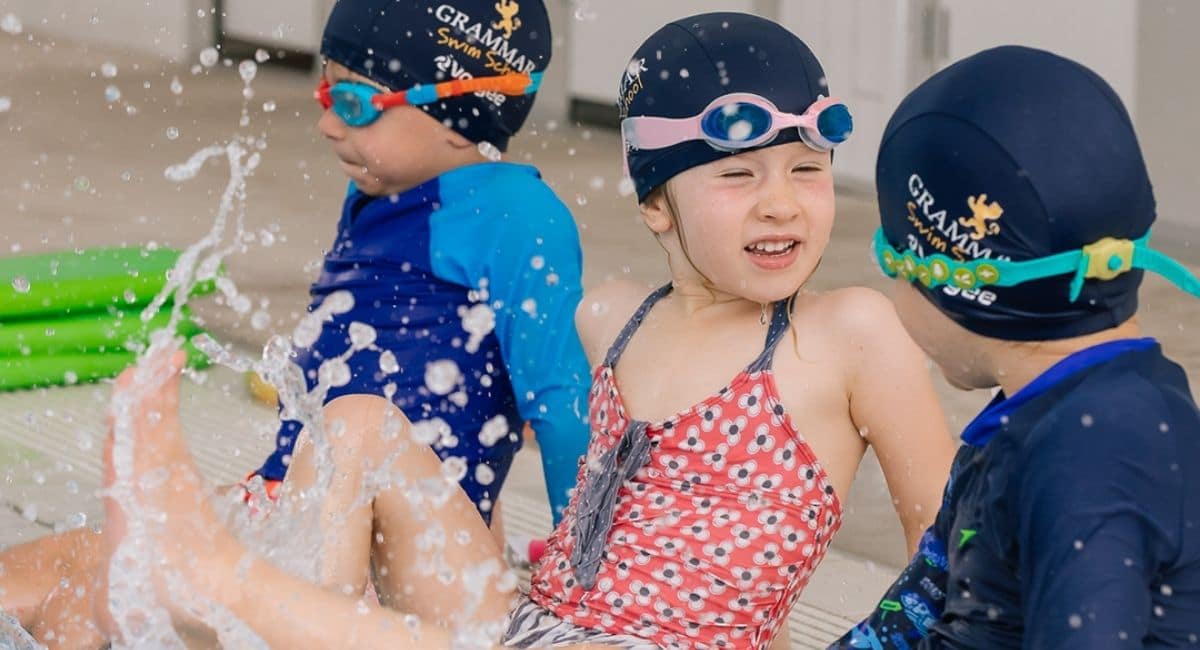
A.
pixel 167 28
pixel 1168 106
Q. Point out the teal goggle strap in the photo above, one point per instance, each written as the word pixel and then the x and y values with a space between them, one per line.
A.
pixel 1102 260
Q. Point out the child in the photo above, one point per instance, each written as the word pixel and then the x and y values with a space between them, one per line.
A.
pixel 1070 517
pixel 701 514
pixel 469 271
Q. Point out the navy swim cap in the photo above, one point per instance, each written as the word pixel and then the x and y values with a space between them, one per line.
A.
pixel 402 43
pixel 1015 153
pixel 688 63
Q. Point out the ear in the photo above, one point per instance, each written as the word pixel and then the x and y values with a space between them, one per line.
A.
pixel 656 213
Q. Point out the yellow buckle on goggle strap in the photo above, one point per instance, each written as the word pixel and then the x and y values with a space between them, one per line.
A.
pixel 1108 258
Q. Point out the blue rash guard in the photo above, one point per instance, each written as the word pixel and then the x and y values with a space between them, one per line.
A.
pixel 416 263
pixel 1071 518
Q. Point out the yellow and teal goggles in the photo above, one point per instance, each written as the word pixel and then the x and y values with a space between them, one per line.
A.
pixel 1101 260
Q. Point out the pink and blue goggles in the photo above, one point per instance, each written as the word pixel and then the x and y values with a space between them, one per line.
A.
pixel 741 121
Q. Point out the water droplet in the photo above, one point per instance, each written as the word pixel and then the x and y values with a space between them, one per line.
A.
pixel 580 199
pixel 493 431
pixel 200 13
pixel 489 151
pixel 261 320
pixel 529 306
pixel 478 321
pixel 1078 545
pixel 30 512
pixel 334 373
pixel 209 56
pixel 626 187
pixel 1166 590
pixel 454 468
pixel 10 24
pixel 248 92
pixel 172 133
pixel 1086 420
pixel 537 262
pixel 388 363
pixel 361 335
pixel 21 284
pixel 112 94
pixel 108 69
pixel 484 475
pixel 597 183
pixel 1075 621
pixel 268 107
pixel 5 104
pixel 176 86
pixel 442 376
pixel 261 55
pixel 130 296
pixel 338 302
pixel 599 308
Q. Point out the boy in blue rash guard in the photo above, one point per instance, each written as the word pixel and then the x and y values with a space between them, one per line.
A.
pixel 468 270
pixel 1016 209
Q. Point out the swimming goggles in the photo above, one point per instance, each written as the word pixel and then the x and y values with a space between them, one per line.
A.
pixel 1101 260
pixel 741 121
pixel 360 104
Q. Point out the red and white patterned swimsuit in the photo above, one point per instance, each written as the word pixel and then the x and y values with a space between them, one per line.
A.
pixel 714 535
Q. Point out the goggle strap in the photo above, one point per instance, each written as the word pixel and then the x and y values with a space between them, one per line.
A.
pixel 1158 262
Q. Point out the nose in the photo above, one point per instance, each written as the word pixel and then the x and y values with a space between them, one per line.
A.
pixel 779 199
pixel 331 126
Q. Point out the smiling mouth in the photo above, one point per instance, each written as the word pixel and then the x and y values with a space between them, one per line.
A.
pixel 771 248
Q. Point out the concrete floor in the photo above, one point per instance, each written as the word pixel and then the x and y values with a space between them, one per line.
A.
pixel 80 171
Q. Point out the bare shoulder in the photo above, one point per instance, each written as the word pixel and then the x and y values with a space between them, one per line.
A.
pixel 602 313
pixel 858 320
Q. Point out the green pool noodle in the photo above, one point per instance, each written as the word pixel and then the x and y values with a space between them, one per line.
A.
pixel 70 282
pixel 92 333
pixel 63 369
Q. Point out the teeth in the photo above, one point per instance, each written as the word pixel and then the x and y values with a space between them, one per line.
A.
pixel 772 246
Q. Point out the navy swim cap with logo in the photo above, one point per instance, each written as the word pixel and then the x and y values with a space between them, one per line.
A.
pixel 689 62
pixel 1016 153
pixel 403 43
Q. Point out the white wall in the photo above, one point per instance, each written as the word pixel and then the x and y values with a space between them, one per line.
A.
pixel 605 34
pixel 1101 34
pixel 1168 102
pixel 167 28
pixel 293 24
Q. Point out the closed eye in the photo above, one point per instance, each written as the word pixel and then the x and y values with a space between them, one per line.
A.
pixel 734 173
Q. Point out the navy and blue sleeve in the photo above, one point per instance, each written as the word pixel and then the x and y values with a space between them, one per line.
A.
pixel 525 253
pixel 1099 511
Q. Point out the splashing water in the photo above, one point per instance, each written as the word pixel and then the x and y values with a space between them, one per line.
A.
pixel 10 24
pixel 296 531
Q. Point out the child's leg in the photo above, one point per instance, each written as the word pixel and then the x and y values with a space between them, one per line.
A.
pixel 368 434
pixel 285 611
pixel 46 585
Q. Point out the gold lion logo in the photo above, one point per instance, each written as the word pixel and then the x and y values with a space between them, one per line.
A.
pixel 508 17
pixel 983 216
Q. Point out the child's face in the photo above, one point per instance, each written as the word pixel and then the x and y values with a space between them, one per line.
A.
pixel 755 224
pixel 959 353
pixel 402 149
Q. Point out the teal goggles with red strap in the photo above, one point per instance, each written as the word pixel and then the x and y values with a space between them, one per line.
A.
pixel 1101 260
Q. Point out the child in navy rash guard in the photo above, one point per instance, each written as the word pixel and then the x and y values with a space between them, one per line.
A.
pixel 1016 210
pixel 468 269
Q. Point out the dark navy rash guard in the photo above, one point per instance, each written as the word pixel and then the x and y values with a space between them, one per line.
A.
pixel 1071 518
pixel 489 234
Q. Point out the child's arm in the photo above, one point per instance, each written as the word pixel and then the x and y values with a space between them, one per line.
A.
pixel 1099 510
pixel 892 402
pixel 529 260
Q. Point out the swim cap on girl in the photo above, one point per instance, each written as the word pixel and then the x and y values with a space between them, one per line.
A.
pixel 1016 153
pixel 690 62
pixel 402 43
